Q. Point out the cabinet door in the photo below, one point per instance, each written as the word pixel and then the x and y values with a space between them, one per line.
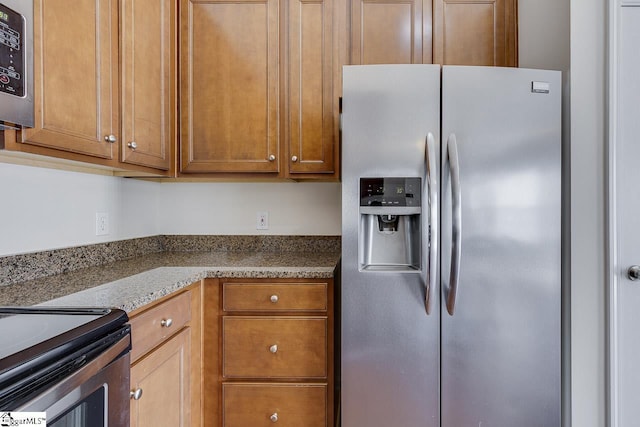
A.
pixel 391 32
pixel 76 76
pixel 310 118
pixel 148 77
pixel 229 86
pixel 163 377
pixel 475 32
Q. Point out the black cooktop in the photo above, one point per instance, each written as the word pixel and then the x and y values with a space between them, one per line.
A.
pixel 41 345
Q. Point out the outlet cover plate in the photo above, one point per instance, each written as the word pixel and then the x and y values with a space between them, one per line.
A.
pixel 262 221
pixel 102 223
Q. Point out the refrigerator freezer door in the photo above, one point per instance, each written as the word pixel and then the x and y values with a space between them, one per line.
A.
pixel 390 345
pixel 501 345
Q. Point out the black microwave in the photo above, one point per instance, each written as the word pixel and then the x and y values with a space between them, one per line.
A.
pixel 16 63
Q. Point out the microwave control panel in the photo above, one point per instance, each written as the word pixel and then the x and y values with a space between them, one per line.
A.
pixel 12 54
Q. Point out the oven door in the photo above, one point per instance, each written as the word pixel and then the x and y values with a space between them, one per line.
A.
pixel 97 395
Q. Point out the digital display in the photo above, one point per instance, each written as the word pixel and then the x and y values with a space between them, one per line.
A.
pixel 4 16
pixel 389 191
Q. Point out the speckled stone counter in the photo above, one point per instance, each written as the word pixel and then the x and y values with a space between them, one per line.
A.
pixel 130 284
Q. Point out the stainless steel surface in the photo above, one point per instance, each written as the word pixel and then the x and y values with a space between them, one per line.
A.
pixel 14 109
pixel 390 347
pixel 133 145
pixel 273 348
pixel 109 370
pixel 136 394
pixel 633 273
pixel 272 158
pixel 496 361
pixel 110 138
pixel 501 348
pixel 274 417
pixel 433 189
pixel 274 298
pixel 451 290
pixel 166 323
pixel 294 159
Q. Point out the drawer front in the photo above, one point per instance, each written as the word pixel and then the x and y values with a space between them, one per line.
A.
pixel 265 405
pixel 150 328
pixel 274 297
pixel 274 347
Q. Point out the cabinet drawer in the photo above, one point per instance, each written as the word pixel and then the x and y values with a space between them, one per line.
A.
pixel 274 297
pixel 263 405
pixel 152 327
pixel 274 347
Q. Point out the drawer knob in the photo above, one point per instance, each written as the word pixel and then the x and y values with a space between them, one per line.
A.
pixel 274 298
pixel 165 323
pixel 136 394
pixel 274 417
pixel 273 348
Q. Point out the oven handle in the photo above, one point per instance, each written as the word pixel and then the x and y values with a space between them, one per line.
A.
pixel 119 350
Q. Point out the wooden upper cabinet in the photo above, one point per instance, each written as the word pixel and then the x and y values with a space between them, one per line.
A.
pixel 310 125
pixel 76 78
pixel 391 32
pixel 148 80
pixel 475 32
pixel 229 86
pixel 464 32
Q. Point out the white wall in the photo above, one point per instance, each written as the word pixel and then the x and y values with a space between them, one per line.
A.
pixel 588 112
pixel 44 209
pixel 230 208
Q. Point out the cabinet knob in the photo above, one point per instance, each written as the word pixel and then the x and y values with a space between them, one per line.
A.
pixel 633 273
pixel 166 322
pixel 133 145
pixel 136 394
pixel 110 138
pixel 274 348
pixel 274 298
pixel 272 158
pixel 274 417
pixel 294 159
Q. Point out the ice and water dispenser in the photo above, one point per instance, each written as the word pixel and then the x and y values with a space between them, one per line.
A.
pixel 390 224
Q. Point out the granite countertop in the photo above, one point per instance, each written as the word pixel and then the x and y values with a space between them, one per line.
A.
pixel 133 283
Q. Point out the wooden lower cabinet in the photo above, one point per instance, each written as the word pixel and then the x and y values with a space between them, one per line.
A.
pixel 268 352
pixel 262 405
pixel 165 372
pixel 274 347
pixel 163 377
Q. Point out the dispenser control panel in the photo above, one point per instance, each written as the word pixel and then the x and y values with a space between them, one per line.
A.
pixel 390 192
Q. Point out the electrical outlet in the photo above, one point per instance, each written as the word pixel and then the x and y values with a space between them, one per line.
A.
pixel 102 223
pixel 262 221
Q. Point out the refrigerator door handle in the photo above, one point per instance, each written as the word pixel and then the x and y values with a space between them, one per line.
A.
pixel 431 179
pixel 456 221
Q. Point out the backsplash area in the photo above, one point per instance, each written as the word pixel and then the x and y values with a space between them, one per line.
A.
pixel 36 265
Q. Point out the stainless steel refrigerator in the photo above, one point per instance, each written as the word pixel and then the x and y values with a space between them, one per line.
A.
pixel 450 247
